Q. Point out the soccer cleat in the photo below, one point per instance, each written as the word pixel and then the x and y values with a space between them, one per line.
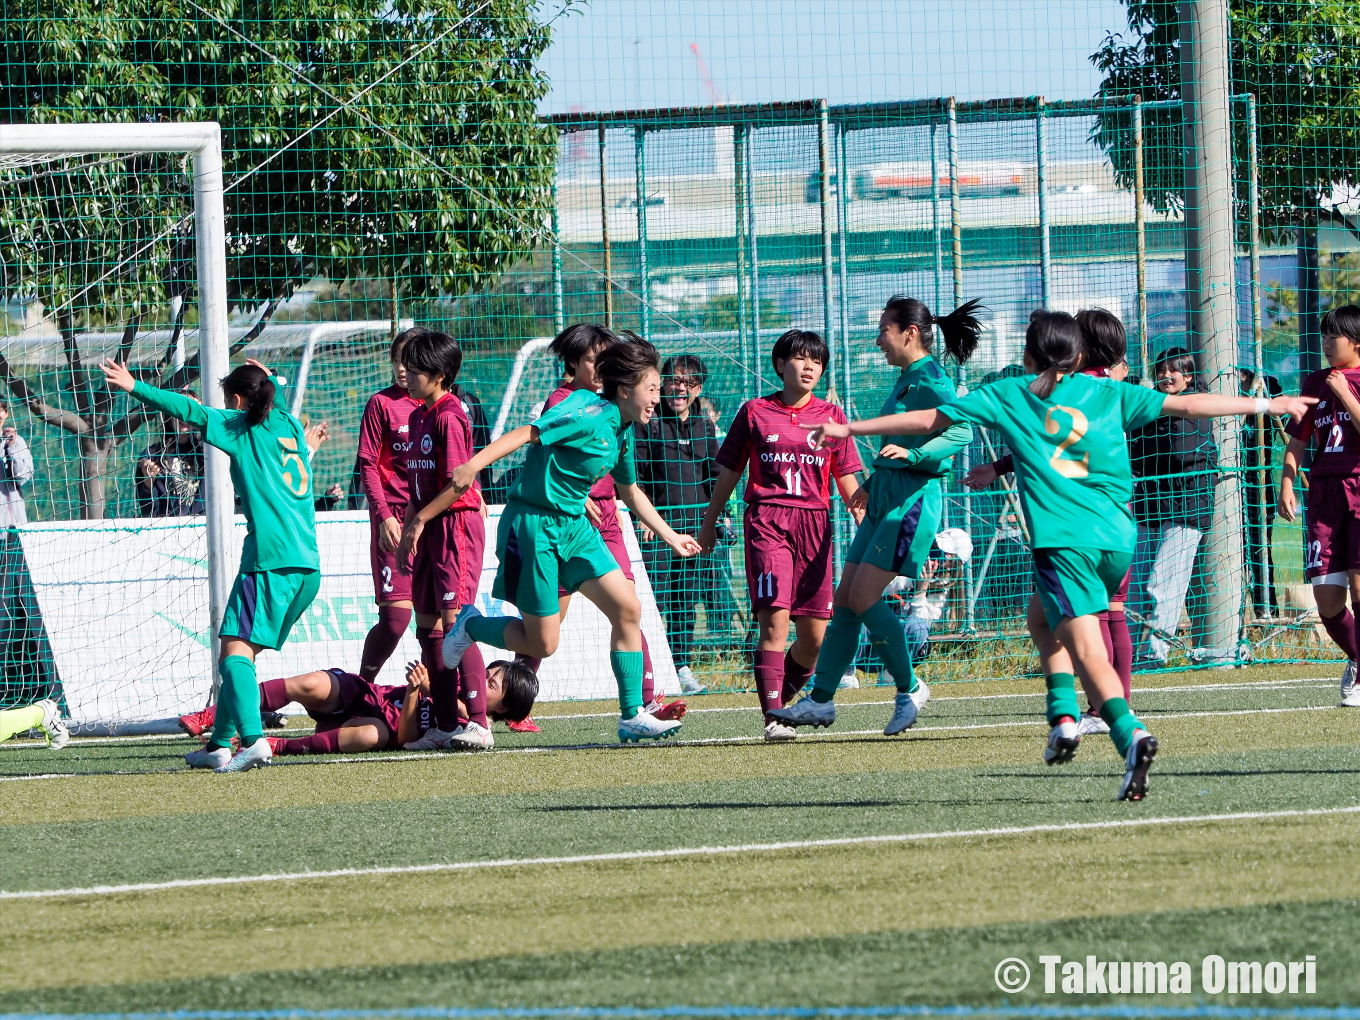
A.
pixel 1136 765
pixel 645 726
pixel 1063 739
pixel 472 737
pixel 456 641
pixel 805 712
pixel 274 720
pixel 689 683
pixel 197 722
pixel 208 758
pixel 433 739
pixel 1091 724
pixel 257 755
pixel 1349 688
pixel 666 711
pixel 57 733
pixel 275 744
pixel 849 682
pixel 922 694
pixel 904 715
pixel 525 725
pixel 776 731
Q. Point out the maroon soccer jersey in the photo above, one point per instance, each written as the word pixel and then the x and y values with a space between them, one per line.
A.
pixel 771 439
pixel 383 444
pixel 441 439
pixel 604 488
pixel 1338 446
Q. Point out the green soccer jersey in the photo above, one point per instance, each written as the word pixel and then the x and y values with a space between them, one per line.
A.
pixel 580 440
pixel 922 385
pixel 1071 458
pixel 269 468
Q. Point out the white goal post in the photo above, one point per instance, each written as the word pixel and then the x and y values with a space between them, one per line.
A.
pixel 40 143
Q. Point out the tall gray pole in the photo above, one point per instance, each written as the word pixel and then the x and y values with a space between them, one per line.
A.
pixel 640 169
pixel 824 173
pixel 843 228
pixel 956 249
pixel 559 302
pixel 1211 298
pixel 753 261
pixel 1045 239
pixel 1140 241
pixel 739 166
pixel 936 235
pixel 604 238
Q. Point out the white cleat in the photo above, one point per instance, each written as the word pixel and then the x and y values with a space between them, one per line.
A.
pixel 472 737
pixel 1091 725
pixel 257 755
pixel 776 732
pixel 1136 765
pixel 1350 690
pixel 57 733
pixel 1062 743
pixel 645 726
pixel 433 739
pixel 922 693
pixel 806 712
pixel 850 681
pixel 689 683
pixel 904 715
pixel 456 641
pixel 208 758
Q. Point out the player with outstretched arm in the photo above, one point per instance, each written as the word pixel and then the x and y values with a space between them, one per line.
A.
pixel 1066 434
pixel 787 521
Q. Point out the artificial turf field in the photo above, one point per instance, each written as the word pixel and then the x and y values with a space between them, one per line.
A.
pixel 948 863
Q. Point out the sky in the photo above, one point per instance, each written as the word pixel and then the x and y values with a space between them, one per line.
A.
pixel 631 54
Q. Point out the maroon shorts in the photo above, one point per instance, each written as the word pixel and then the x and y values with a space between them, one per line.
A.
pixel 788 559
pixel 611 530
pixel 1333 545
pixel 360 699
pixel 448 563
pixel 389 585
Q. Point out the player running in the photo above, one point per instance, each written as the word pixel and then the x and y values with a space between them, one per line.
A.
pixel 443 538
pixel 577 347
pixel 901 503
pixel 384 440
pixel 1332 561
pixel 787 520
pixel 546 543
pixel 280 571
pixel 1066 434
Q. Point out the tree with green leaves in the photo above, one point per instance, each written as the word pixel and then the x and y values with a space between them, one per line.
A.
pixel 387 139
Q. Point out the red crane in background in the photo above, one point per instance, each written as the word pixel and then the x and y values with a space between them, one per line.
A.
pixel 705 77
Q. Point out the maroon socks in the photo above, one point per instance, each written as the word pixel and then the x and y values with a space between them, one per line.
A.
pixel 769 668
pixel 443 682
pixel 383 639
pixel 317 743
pixel 796 676
pixel 1341 627
pixel 1120 646
pixel 648 675
pixel 273 695
pixel 472 685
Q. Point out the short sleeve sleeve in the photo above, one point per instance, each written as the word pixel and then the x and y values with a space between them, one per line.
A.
pixel 1303 428
pixel 736 448
pixel 569 421
pixel 371 431
pixel 844 457
pixel 981 406
pixel 624 471
pixel 1141 406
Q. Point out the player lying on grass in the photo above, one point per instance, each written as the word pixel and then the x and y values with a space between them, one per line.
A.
pixel 902 503
pixel 280 570
pixel 44 715
pixel 353 714
pixel 1106 346
pixel 788 516
pixel 1066 435
pixel 546 543
pixel 1332 561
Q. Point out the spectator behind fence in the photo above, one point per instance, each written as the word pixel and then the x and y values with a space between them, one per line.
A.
pixel 16 471
pixel 169 474
pixel 676 467
pixel 1175 466
pixel 1258 498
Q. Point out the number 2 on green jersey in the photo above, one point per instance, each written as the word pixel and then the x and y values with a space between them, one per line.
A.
pixel 1068 467
pixel 298 482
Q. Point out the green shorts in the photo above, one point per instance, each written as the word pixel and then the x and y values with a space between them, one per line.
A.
pixel 541 551
pixel 1078 582
pixel 900 521
pixel 264 606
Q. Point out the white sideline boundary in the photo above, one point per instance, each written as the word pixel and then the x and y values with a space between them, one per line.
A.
pixel 696 851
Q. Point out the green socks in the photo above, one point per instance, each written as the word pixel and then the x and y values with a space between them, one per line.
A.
pixel 489 630
pixel 627 667
pixel 885 633
pixel 20 720
pixel 838 651
pixel 1122 722
pixel 238 703
pixel 1062 697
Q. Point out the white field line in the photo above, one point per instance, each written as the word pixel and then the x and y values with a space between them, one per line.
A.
pixel 409 756
pixel 1319 681
pixel 695 851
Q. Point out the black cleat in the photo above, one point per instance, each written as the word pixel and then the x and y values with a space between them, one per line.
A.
pixel 1136 765
pixel 274 720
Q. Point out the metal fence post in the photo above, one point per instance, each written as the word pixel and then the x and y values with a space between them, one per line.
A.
pixel 956 247
pixel 640 174
pixel 824 172
pixel 1045 249
pixel 739 161
pixel 559 303
pixel 753 261
pixel 843 231
pixel 1140 238
pixel 937 233
pixel 604 236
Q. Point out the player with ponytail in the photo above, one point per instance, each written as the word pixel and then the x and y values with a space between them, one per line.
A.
pixel 280 570
pixel 902 503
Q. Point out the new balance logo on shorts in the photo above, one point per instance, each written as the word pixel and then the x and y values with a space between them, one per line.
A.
pixel 766 585
pixel 449 596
